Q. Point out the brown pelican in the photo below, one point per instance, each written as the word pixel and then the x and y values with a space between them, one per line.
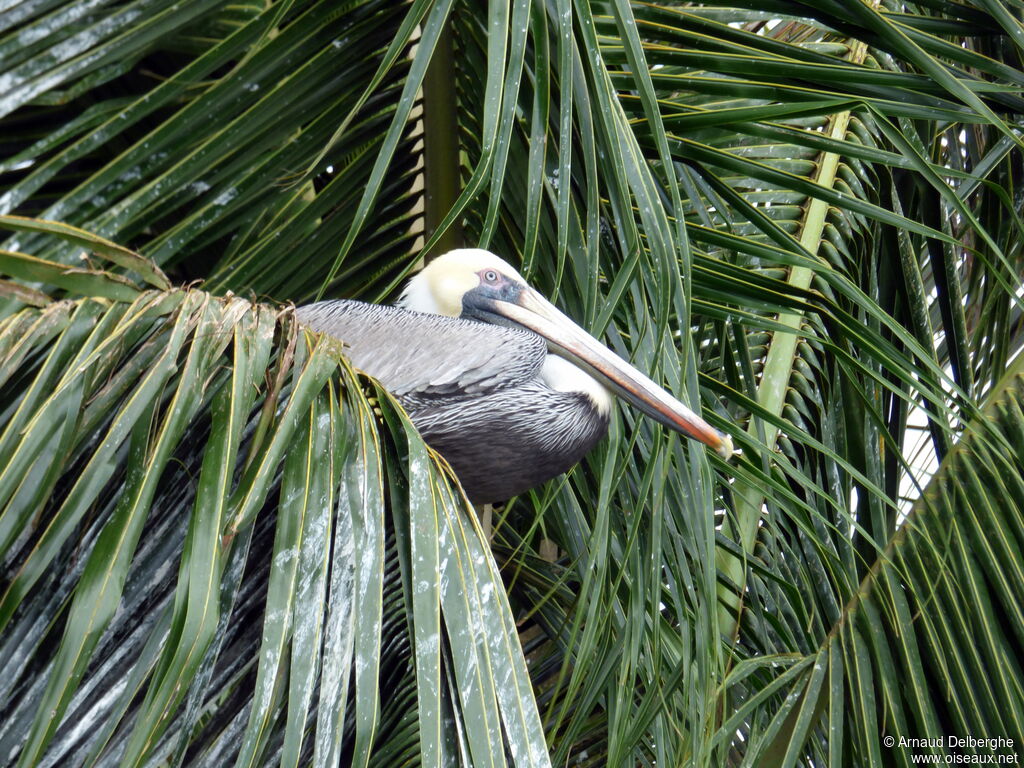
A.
pixel 496 379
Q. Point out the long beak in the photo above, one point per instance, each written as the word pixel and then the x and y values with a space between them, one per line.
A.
pixel 533 311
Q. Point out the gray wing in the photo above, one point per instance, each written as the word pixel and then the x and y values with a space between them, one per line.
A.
pixel 418 356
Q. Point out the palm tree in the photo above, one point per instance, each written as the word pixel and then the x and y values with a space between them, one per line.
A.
pixel 220 545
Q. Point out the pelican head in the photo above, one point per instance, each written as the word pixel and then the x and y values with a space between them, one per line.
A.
pixel 474 283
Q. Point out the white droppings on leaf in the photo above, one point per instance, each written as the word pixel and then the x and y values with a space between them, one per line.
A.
pixel 284 557
pixel 226 196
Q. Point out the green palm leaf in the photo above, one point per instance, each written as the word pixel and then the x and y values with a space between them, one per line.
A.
pixel 220 546
pixel 180 377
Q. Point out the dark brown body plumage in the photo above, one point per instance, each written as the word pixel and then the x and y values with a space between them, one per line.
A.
pixel 472 389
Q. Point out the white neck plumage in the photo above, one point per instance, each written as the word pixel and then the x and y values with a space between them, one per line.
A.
pixel 563 376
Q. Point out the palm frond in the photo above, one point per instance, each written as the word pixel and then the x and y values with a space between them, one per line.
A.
pixel 214 434
pixel 802 216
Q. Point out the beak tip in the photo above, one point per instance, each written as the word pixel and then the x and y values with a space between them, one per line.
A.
pixel 725 448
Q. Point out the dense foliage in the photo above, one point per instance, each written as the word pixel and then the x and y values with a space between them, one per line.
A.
pixel 219 545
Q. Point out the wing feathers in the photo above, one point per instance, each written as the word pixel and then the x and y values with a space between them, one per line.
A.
pixel 420 357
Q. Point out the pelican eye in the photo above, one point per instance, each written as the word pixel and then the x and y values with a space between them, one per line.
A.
pixel 491 276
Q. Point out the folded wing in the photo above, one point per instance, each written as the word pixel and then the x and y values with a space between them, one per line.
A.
pixel 422 358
